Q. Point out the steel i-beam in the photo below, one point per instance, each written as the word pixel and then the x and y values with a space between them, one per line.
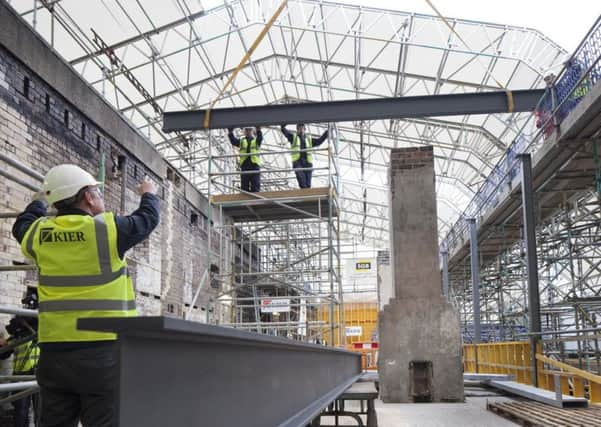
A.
pixel 356 110
pixel 175 373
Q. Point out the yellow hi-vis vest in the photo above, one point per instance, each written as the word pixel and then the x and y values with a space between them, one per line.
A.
pixel 25 357
pixel 580 90
pixel 296 148
pixel 254 151
pixel 80 275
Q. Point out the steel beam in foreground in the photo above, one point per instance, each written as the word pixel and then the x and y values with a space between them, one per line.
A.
pixel 175 372
pixel 362 109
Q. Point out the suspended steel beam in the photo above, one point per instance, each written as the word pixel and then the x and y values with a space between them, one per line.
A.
pixel 356 110
pixel 221 376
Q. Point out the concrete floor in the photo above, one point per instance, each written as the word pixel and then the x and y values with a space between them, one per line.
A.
pixel 472 413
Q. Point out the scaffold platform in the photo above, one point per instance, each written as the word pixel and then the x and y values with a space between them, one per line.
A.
pixel 277 205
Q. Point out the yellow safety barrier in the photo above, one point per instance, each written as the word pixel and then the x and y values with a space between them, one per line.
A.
pixel 369 356
pixel 511 358
pixel 579 379
pixel 514 358
pixel 360 319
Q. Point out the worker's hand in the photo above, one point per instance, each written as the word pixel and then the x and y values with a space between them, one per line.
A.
pixel 3 342
pixel 147 186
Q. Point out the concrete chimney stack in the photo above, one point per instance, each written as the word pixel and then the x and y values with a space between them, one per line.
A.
pixel 420 342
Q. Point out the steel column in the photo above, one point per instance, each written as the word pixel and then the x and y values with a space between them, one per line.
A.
pixel 214 376
pixel 475 269
pixel 355 110
pixel 531 259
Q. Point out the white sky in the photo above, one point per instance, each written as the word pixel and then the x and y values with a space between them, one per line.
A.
pixel 563 21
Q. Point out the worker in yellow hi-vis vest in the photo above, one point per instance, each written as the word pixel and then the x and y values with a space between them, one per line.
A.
pixel 22 344
pixel 80 255
pixel 250 157
pixel 302 160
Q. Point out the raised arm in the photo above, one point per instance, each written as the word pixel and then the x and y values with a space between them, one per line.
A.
pixel 33 211
pixel 235 141
pixel 289 136
pixel 322 138
pixel 134 228
pixel 259 136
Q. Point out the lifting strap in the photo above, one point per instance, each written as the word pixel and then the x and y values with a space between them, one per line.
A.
pixel 243 62
pixel 510 102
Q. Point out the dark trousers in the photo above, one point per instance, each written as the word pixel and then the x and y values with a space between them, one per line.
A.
pixel 78 384
pixel 21 415
pixel 250 181
pixel 303 177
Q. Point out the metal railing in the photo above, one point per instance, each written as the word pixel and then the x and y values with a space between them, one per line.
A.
pixel 579 74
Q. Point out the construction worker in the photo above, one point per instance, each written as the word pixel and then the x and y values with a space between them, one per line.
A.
pixel 574 72
pixel 80 255
pixel 23 333
pixel 302 161
pixel 543 112
pixel 250 157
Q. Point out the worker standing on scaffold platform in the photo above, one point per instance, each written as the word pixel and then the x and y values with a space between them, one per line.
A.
pixel 80 255
pixel 250 157
pixel 302 159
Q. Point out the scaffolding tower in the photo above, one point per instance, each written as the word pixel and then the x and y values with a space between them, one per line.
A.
pixel 279 254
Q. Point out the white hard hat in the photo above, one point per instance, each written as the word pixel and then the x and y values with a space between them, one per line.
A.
pixel 64 181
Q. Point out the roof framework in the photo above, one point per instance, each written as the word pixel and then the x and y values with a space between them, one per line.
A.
pixel 181 54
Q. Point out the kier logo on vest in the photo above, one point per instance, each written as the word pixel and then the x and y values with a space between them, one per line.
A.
pixel 48 235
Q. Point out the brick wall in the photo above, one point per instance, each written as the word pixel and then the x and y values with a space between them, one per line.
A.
pixel 40 129
pixel 411 158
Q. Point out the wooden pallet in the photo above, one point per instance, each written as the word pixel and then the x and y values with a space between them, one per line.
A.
pixel 527 413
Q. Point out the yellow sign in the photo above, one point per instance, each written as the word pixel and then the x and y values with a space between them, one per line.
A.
pixel 363 266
